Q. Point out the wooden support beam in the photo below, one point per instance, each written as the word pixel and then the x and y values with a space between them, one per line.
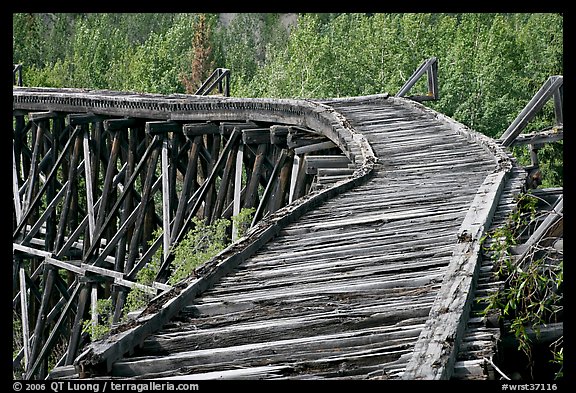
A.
pixel 33 175
pixel 298 137
pixel 200 194
pixel 551 228
pixel 108 179
pixel 541 137
pixel 48 281
pixel 49 179
pixel 279 135
pixel 39 116
pixel 127 188
pixel 17 202
pixel 161 127
pixel 188 185
pixel 315 162
pixel 74 340
pixel 280 196
pixel 430 66
pixel 255 136
pixel 47 212
pixel 315 147
pixel 226 128
pixel 24 315
pixel 89 187
pixel 192 130
pixel 293 177
pixel 214 159
pixel 334 172
pixel 120 124
pixel 142 210
pixel 548 90
pixel 165 199
pixel 268 191
pixel 237 190
pixel 301 179
pixel 51 340
pixel 78 119
pixel 224 184
pixel 252 189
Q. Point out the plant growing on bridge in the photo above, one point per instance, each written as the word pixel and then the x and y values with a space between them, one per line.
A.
pixel 532 293
pixel 100 329
pixel 137 297
pixel 200 244
pixel 243 220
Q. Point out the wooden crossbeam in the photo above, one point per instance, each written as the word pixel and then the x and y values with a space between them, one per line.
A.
pixel 192 130
pixel 255 136
pixel 539 138
pixel 313 163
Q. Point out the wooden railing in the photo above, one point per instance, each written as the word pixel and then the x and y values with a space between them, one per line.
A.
pixel 553 88
pixel 219 79
pixel 430 68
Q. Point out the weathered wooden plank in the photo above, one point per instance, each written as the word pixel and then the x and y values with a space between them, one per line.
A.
pixel 315 162
pixel 318 348
pixel 334 172
pixel 119 124
pixel 314 147
pixel 435 351
pixel 162 127
pixel 213 311
pixel 288 328
pixel 79 119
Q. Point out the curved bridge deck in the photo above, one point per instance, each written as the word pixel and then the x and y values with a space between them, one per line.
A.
pixel 359 287
pixel 346 290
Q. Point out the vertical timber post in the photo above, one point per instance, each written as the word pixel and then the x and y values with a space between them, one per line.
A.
pixel 237 189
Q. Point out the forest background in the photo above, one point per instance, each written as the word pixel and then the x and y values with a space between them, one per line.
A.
pixel 490 65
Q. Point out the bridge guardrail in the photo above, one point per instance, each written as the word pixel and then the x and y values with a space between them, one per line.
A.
pixel 553 88
pixel 430 67
pixel 220 79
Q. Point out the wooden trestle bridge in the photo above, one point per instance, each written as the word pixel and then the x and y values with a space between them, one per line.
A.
pixel 363 258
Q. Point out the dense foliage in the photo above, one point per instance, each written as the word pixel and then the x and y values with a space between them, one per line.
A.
pixel 490 65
